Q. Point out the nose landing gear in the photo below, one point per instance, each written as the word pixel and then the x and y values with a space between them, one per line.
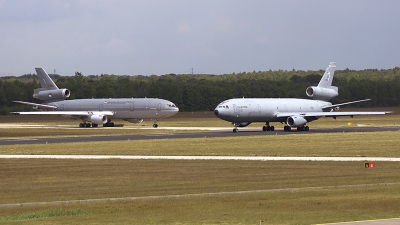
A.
pixel 155 125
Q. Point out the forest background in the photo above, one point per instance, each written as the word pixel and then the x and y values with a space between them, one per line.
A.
pixel 203 92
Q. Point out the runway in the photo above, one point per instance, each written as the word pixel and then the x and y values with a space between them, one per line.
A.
pixel 213 132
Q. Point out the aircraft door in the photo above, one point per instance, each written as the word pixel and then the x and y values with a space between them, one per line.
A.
pixel 159 107
pixel 101 107
pixel 132 108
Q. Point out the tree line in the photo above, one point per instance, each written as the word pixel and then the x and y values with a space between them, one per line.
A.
pixel 201 92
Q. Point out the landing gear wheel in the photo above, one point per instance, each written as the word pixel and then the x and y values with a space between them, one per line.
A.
pixel 84 125
pixel 268 128
pixel 287 128
pixel 155 125
pixel 235 130
pixel 303 128
pixel 108 124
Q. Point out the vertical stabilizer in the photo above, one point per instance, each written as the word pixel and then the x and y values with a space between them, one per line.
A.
pixel 45 81
pixel 326 80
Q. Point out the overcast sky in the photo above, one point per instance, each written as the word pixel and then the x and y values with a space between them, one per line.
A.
pixel 211 36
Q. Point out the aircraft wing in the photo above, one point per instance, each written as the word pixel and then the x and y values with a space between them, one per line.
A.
pixel 68 113
pixel 329 114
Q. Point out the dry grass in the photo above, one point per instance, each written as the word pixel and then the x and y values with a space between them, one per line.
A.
pixel 50 180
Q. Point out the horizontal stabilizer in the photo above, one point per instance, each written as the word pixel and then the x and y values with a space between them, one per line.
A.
pixel 43 106
pixel 345 103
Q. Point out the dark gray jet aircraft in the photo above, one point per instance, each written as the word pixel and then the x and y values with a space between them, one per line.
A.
pixel 97 111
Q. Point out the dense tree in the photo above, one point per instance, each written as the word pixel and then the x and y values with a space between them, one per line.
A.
pixel 203 92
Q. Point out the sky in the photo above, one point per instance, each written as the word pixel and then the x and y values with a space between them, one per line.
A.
pixel 157 37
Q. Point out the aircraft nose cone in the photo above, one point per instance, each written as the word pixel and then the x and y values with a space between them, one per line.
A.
pixel 216 112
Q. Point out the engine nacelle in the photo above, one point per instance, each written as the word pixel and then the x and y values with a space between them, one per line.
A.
pixel 295 121
pixel 134 120
pixel 320 93
pixel 98 119
pixel 52 94
pixel 241 124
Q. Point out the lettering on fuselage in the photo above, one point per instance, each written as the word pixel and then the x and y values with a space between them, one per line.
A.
pixel 239 109
pixel 118 102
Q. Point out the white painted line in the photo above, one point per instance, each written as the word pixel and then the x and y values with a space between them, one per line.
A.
pixel 250 158
pixel 392 221
pixel 191 195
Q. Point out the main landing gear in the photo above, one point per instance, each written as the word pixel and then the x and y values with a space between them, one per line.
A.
pixel 84 124
pixel 268 127
pixel 108 124
pixel 300 128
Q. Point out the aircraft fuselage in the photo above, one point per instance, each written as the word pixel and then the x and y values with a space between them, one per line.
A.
pixel 123 108
pixel 265 109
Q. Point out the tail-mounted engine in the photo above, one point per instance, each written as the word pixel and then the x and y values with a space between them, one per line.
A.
pixel 54 94
pixel 319 93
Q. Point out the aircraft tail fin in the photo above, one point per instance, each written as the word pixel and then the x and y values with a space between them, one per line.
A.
pixel 45 81
pixel 326 80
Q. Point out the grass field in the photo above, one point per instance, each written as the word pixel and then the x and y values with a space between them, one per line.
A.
pixel 346 190
pixel 51 180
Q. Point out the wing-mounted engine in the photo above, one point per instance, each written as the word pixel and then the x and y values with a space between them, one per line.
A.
pixel 241 124
pixel 320 93
pixel 295 121
pixel 134 120
pixel 98 119
pixel 54 94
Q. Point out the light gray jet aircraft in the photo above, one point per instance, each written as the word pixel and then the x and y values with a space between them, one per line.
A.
pixel 97 111
pixel 292 111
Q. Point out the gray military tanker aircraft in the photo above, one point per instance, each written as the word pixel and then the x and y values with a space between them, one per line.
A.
pixel 97 111
pixel 292 111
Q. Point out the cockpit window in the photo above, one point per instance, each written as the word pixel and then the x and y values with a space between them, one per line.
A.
pixel 223 106
pixel 170 106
